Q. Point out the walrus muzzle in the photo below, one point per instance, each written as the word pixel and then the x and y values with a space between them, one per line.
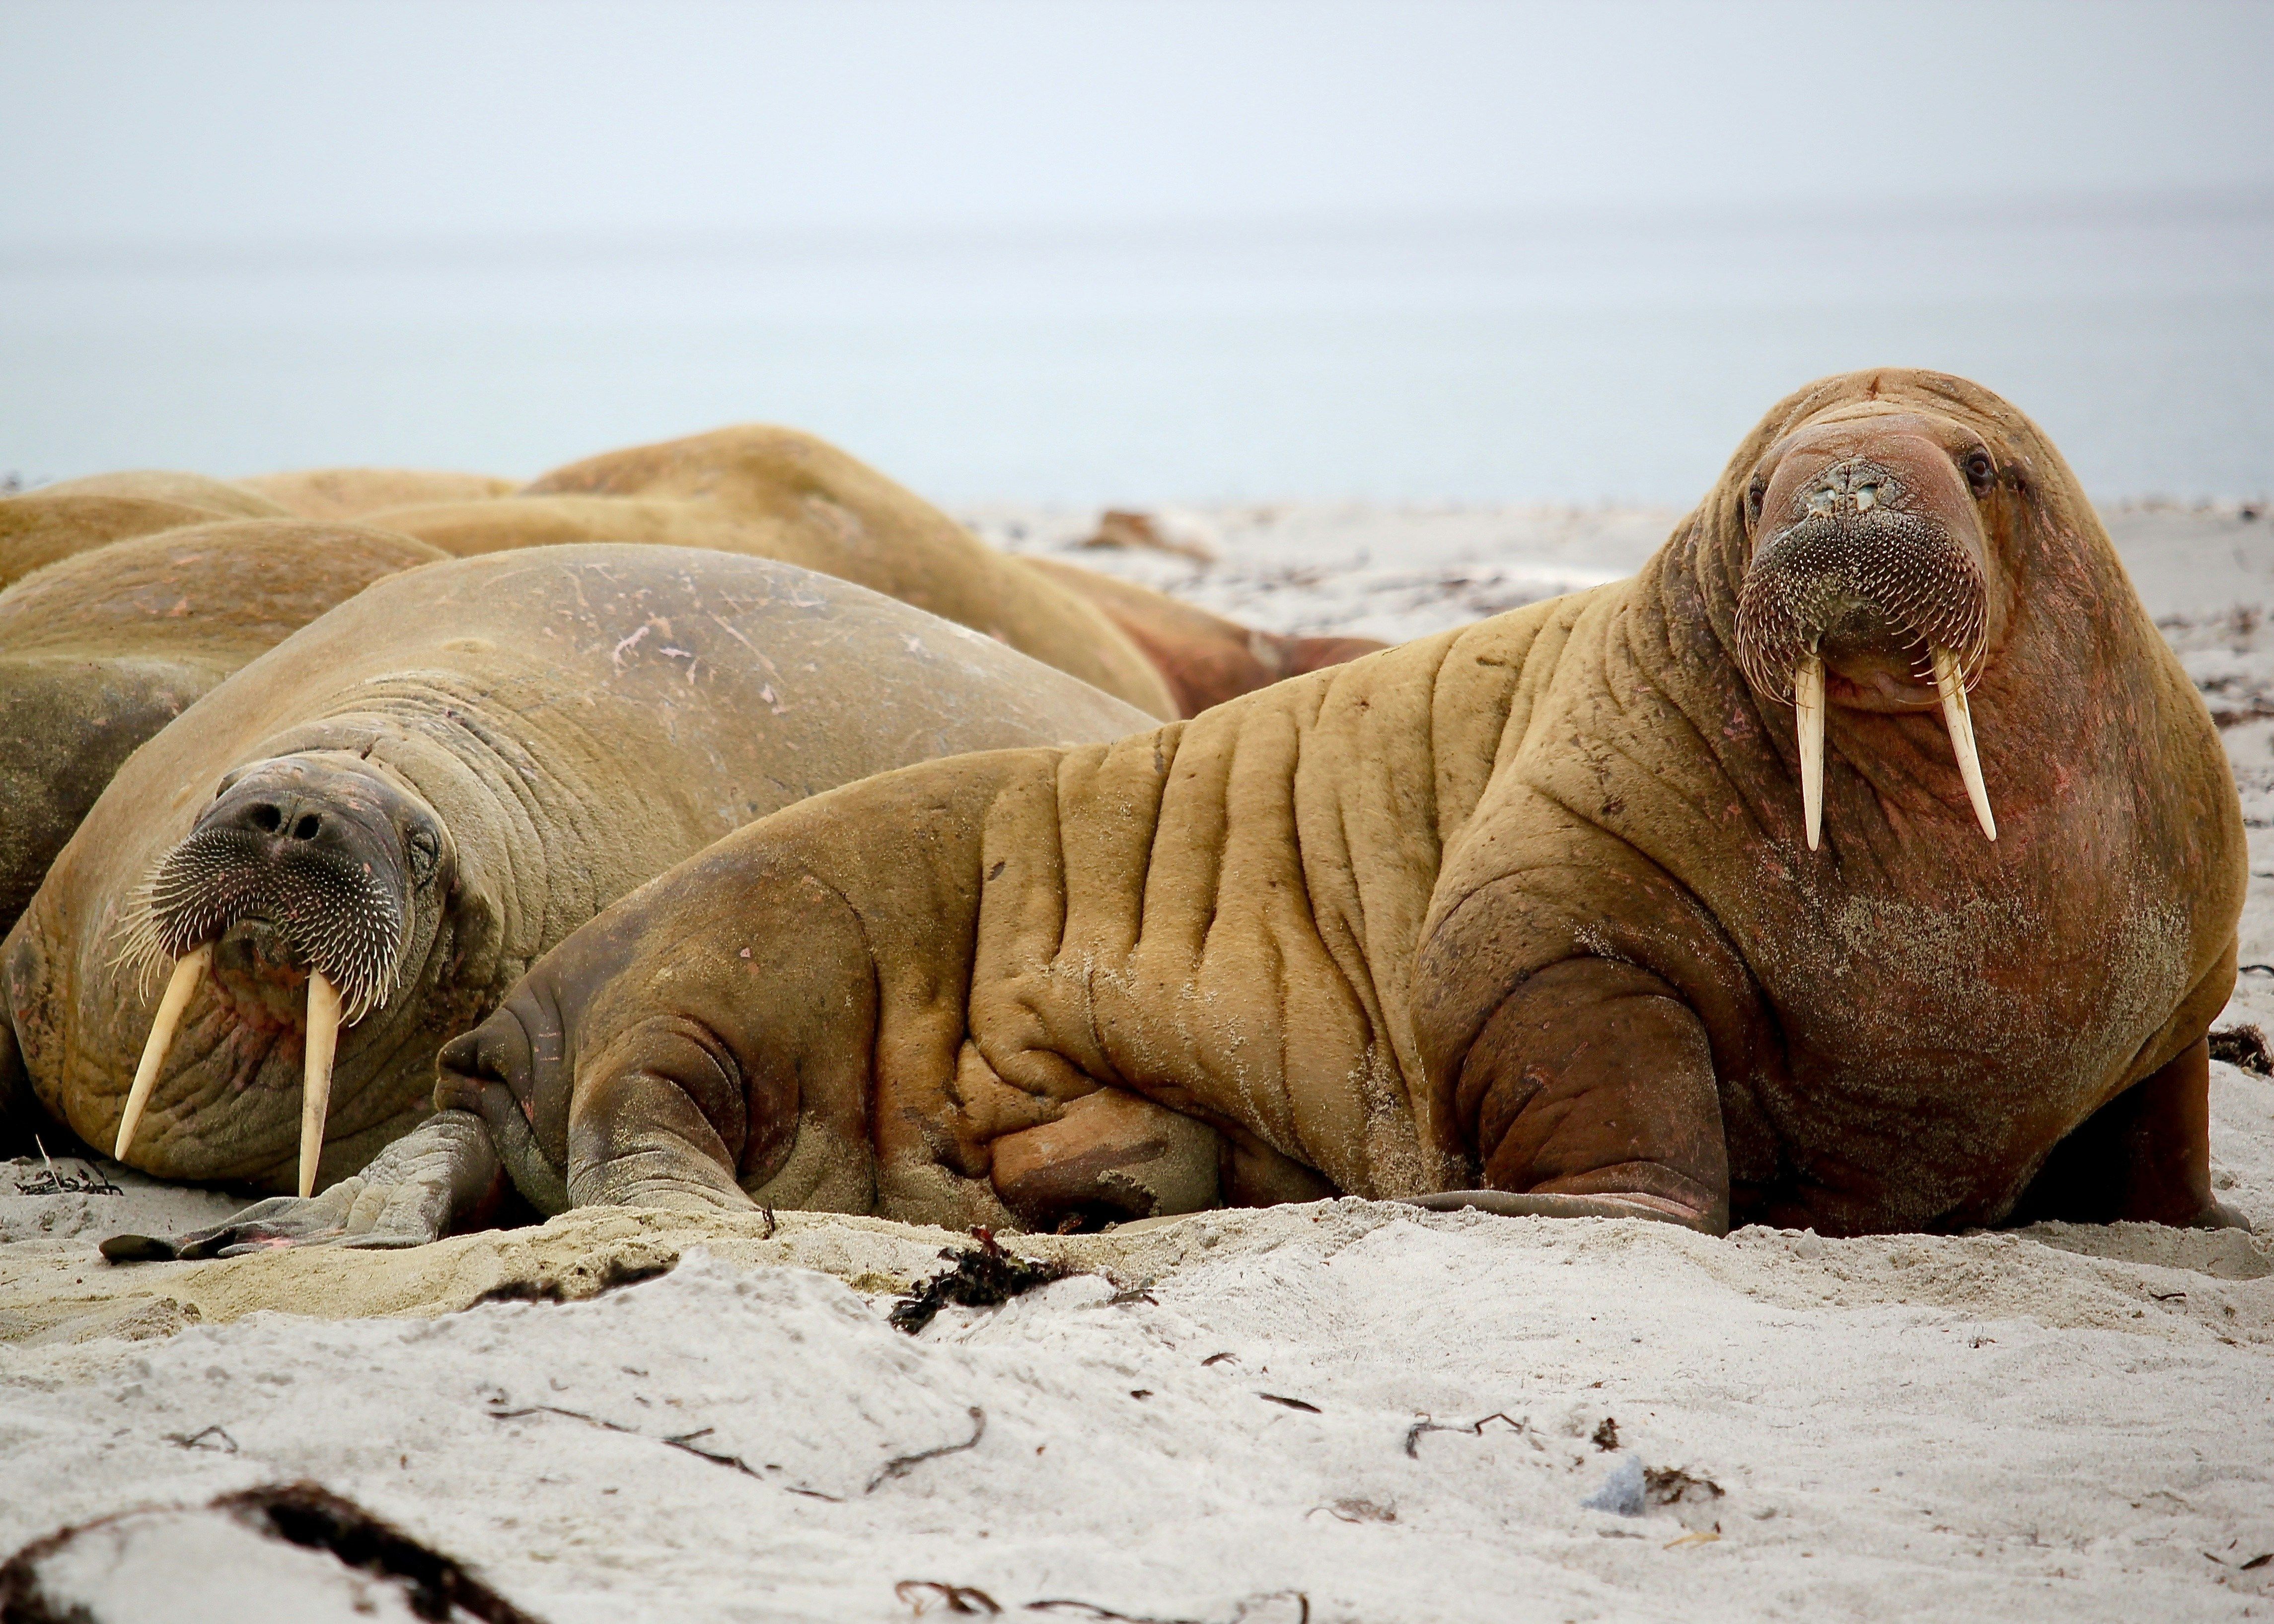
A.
pixel 1876 569
pixel 300 867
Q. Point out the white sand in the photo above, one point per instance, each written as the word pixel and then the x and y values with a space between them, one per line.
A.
pixel 2060 1422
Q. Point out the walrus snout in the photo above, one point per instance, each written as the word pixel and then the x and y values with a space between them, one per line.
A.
pixel 326 853
pixel 1869 584
pixel 304 865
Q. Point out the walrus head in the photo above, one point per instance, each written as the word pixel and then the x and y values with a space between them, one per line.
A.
pixel 303 891
pixel 1873 582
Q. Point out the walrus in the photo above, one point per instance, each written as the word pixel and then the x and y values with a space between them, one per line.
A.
pixel 365 835
pixel 776 493
pixel 99 651
pixel 340 493
pixel 1865 863
pixel 779 493
pixel 55 521
pixel 1204 658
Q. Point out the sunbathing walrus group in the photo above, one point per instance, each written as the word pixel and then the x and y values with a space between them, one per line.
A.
pixel 1865 863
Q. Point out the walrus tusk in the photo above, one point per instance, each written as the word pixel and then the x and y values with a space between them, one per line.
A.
pixel 1950 682
pixel 316 1077
pixel 1808 702
pixel 187 974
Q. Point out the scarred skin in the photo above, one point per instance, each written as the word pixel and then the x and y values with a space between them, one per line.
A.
pixel 1526 907
pixel 497 749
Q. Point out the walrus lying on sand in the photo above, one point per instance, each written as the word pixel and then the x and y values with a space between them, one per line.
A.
pixel 368 833
pixel 342 493
pixel 101 650
pixel 776 493
pixel 1866 863
pixel 57 522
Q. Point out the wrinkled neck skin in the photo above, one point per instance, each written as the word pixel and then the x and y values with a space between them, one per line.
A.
pixel 1939 1005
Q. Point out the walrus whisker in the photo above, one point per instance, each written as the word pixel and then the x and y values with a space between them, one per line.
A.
pixel 1950 682
pixel 316 1074
pixel 1808 705
pixel 141 944
pixel 187 972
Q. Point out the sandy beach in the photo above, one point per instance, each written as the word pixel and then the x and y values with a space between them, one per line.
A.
pixel 1348 1410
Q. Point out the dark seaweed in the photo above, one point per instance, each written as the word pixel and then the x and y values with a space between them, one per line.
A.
pixel 435 1586
pixel 2244 1047
pixel 615 1274
pixel 984 1277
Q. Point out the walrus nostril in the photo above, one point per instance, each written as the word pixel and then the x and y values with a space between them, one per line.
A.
pixel 307 828
pixel 264 817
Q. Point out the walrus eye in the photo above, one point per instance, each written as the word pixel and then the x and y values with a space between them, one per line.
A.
pixel 1981 472
pixel 1755 495
pixel 425 850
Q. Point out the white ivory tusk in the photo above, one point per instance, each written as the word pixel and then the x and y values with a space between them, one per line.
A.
pixel 316 1077
pixel 1950 682
pixel 187 974
pixel 1808 703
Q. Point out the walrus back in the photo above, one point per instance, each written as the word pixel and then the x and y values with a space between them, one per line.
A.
pixel 1218 916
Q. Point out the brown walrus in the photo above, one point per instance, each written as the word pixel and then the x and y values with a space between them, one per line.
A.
pixel 779 494
pixel 101 650
pixel 1573 905
pixel 56 522
pixel 1204 658
pixel 351 493
pixel 776 493
pixel 369 831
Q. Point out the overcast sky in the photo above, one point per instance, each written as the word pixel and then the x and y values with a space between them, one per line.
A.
pixel 300 119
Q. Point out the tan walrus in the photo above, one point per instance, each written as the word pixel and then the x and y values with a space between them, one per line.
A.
pixel 57 521
pixel 780 493
pixel 342 493
pixel 1576 904
pixel 776 493
pixel 101 650
pixel 1204 658
pixel 369 832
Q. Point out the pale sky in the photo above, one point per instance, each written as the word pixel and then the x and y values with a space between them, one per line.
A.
pixel 240 121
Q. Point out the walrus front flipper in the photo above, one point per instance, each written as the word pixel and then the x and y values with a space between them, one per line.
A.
pixel 1594 1079
pixel 441 1176
pixel 2144 1157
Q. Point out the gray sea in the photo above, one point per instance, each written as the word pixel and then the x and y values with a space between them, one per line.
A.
pixel 1574 358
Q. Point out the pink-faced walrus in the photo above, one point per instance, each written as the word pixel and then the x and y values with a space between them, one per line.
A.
pixel 1866 862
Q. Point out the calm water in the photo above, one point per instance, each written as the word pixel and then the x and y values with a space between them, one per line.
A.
pixel 1572 360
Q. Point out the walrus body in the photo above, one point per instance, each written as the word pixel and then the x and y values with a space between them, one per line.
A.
pixel 1565 905
pixel 57 522
pixel 1204 658
pixel 425 789
pixel 775 493
pixel 101 650
pixel 342 493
